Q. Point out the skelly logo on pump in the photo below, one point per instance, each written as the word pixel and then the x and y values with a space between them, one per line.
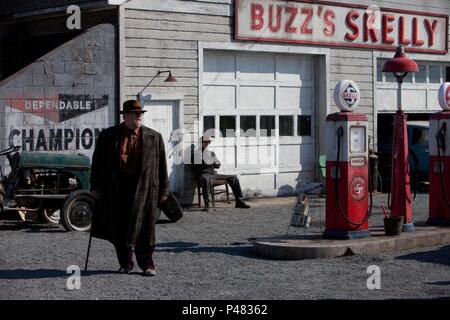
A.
pixel 347 95
pixel 350 95
pixel 444 96
pixel 447 96
pixel 358 188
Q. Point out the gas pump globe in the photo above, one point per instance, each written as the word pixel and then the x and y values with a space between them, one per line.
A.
pixel 347 183
pixel 400 65
pixel 439 165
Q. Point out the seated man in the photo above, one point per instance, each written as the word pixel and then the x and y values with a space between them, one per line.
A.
pixel 205 165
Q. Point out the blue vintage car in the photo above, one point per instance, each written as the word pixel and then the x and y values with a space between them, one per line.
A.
pixel 418 140
pixel 418 136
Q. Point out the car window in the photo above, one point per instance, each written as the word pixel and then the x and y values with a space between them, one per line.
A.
pixel 419 136
pixel 424 137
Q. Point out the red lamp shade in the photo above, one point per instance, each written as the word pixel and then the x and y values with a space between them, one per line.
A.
pixel 170 78
pixel 400 63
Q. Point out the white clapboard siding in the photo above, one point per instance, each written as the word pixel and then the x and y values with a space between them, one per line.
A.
pixel 175 35
pixel 176 26
pixel 142 15
pixel 181 82
pixel 147 71
pixel 209 8
pixel 164 34
pixel 161 53
pixel 160 62
pixel 160 44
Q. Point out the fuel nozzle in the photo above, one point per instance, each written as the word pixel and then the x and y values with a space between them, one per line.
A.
pixel 440 136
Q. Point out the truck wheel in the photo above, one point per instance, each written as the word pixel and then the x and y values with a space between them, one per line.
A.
pixel 77 211
pixel 51 215
pixel 2 196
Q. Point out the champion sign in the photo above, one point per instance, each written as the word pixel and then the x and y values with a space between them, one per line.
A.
pixel 347 95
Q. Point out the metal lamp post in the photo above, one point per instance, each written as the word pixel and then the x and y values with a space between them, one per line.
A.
pixel 400 65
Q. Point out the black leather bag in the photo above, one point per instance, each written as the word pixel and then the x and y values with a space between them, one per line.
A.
pixel 171 208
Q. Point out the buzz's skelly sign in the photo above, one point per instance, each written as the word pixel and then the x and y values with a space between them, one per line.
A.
pixel 333 24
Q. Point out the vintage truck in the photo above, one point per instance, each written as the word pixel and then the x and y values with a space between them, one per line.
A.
pixel 47 186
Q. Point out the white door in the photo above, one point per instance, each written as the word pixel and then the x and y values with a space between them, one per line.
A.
pixel 163 116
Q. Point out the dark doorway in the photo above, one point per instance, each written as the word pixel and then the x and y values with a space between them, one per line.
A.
pixel 385 135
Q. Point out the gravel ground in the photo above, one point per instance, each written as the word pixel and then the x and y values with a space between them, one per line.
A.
pixel 208 255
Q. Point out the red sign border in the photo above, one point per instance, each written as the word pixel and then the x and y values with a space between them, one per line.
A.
pixel 339 44
pixel 446 95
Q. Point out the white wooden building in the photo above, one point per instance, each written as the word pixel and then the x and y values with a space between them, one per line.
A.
pixel 265 70
pixel 235 71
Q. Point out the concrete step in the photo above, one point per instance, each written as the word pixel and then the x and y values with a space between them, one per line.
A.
pixel 314 247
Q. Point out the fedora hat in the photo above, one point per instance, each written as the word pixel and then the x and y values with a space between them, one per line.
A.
pixel 206 139
pixel 132 106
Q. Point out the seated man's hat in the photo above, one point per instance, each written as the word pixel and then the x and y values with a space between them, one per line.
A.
pixel 206 139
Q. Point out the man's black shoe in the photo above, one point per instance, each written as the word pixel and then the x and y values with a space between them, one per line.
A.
pixel 206 208
pixel 149 272
pixel 125 269
pixel 241 204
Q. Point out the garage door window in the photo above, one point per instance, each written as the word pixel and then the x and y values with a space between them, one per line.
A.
pixel 286 126
pixel 208 123
pixel 304 125
pixel 228 126
pixel 267 125
pixel 434 74
pixel 428 73
pixel 421 76
pixel 248 126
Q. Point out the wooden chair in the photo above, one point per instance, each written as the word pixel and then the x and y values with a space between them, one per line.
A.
pixel 213 191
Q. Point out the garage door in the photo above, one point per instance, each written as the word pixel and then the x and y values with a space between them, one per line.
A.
pixel 261 109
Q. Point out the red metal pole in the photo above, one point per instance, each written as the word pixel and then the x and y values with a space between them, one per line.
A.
pixel 400 184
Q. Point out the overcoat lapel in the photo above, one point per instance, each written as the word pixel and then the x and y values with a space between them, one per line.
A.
pixel 115 155
pixel 147 144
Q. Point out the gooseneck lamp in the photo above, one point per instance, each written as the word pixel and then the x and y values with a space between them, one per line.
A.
pixel 169 78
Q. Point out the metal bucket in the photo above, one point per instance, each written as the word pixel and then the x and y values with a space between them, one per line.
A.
pixel 393 226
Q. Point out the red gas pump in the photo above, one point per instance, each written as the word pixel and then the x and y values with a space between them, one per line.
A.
pixel 347 178
pixel 439 165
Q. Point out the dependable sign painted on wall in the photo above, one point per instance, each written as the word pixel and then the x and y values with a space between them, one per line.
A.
pixel 333 24
pixel 64 126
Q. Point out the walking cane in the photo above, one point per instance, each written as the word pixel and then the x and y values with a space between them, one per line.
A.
pixel 88 251
pixel 89 245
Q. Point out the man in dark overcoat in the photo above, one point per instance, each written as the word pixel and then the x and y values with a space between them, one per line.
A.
pixel 128 179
